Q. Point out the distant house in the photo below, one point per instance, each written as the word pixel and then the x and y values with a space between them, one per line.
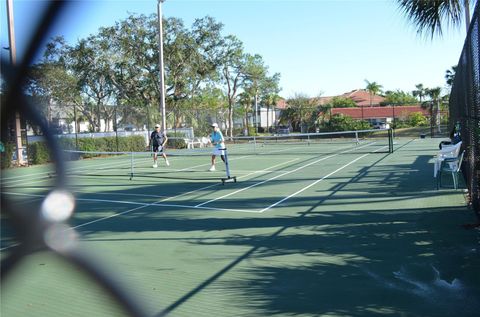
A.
pixel 368 107
pixel 380 114
pixel 362 98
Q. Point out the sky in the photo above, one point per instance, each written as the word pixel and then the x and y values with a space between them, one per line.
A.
pixel 319 47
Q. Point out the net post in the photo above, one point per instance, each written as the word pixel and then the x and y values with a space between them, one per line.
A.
pixel 390 141
pixel 308 138
pixel 254 144
pixel 131 165
pixel 227 169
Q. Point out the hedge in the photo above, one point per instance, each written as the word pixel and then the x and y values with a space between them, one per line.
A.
pixel 39 152
pixel 6 156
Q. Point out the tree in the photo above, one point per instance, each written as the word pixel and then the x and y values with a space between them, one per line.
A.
pixel 50 83
pixel 255 72
pixel 245 100
pixel 232 61
pixel 420 92
pixel 119 66
pixel 269 90
pixel 398 97
pixel 300 107
pixel 430 16
pixel 416 119
pixel 373 89
pixel 342 102
pixel 434 94
pixel 450 76
pixel 341 122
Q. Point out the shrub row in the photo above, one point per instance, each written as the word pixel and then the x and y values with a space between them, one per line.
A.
pixel 39 153
pixel 6 155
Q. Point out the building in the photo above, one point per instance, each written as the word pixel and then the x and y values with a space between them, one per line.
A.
pixel 380 114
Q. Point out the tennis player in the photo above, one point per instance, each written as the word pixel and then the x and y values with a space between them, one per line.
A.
pixel 216 138
pixel 158 139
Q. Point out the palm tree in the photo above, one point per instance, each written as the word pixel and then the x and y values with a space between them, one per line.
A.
pixel 434 94
pixel 269 101
pixel 450 75
pixel 430 16
pixel 245 100
pixel 373 88
pixel 420 92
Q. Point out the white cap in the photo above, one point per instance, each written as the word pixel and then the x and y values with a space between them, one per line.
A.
pixel 214 125
pixel 157 126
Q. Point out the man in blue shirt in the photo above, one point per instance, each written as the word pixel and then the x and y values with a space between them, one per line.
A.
pixel 158 139
pixel 216 138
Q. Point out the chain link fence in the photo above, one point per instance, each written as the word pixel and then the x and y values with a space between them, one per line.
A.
pixel 465 107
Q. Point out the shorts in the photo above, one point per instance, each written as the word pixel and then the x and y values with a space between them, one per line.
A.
pixel 157 148
pixel 217 151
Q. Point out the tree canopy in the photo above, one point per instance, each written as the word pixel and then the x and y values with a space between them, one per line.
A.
pixel 119 67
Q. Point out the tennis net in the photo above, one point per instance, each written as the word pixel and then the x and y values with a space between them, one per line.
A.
pixel 361 141
pixel 130 164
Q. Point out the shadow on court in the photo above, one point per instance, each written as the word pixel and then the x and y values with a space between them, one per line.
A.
pixel 378 243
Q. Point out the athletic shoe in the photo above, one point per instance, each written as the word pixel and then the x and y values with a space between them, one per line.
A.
pixel 167 162
pixel 155 165
pixel 212 169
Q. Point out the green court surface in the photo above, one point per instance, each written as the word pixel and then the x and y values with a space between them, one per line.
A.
pixel 305 231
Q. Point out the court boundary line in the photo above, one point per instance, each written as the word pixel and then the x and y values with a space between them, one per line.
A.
pixel 144 205
pixel 280 175
pixel 264 181
pixel 317 181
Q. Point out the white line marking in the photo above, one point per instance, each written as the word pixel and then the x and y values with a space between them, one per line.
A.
pixel 199 189
pixel 312 184
pixel 316 182
pixel 280 175
pixel 262 182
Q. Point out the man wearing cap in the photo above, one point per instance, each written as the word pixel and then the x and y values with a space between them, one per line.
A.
pixel 158 139
pixel 216 138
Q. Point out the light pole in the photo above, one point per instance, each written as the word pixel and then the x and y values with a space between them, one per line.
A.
pixel 160 64
pixel 13 60
pixel 256 113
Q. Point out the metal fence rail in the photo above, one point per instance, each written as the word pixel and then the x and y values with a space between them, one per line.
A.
pixel 465 107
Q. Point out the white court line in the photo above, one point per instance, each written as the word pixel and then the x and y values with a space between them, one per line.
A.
pixel 199 189
pixel 118 194
pixel 207 164
pixel 316 182
pixel 262 182
pixel 140 205
pixel 51 174
pixel 280 175
pixel 312 184
pixel 143 205
pixel 159 203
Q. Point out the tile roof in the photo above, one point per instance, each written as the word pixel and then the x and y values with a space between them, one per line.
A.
pixel 380 112
pixel 362 97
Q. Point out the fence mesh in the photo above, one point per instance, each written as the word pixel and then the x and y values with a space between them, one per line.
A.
pixel 465 107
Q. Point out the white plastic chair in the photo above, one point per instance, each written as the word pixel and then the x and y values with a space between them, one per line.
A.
pixel 453 166
pixel 447 151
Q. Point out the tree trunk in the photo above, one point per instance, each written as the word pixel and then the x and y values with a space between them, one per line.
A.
pixel 230 118
pixel 438 119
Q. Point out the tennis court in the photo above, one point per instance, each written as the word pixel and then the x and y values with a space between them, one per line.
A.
pixel 306 230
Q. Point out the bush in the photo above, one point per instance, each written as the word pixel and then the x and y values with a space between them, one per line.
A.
pixel 251 131
pixel 38 153
pixel 6 156
pixel 177 143
pixel 340 122
pixel 417 119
